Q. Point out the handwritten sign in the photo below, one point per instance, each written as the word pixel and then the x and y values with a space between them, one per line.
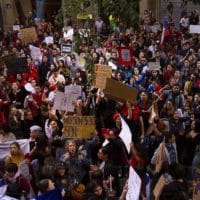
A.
pixel 134 185
pixel 79 126
pixel 195 29
pixel 16 27
pixel 102 72
pixel 125 56
pixel 49 40
pixel 35 52
pixel 154 65
pixel 60 101
pixel 28 35
pixel 72 92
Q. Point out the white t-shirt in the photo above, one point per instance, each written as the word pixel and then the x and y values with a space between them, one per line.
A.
pixel 184 22
pixel 98 25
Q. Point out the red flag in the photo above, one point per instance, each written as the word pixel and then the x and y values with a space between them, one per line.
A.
pixel 165 35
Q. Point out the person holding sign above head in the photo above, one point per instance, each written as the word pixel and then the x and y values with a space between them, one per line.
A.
pixel 55 78
pixel 165 152
pixel 76 162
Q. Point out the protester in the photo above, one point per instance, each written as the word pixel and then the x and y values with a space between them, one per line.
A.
pixel 162 120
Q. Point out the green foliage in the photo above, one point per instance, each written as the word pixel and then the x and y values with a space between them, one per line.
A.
pixel 170 8
pixel 185 2
pixel 127 12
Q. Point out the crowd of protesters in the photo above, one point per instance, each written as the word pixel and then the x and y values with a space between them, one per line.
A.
pixel 164 122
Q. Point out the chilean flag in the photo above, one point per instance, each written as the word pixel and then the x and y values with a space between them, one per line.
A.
pixel 165 32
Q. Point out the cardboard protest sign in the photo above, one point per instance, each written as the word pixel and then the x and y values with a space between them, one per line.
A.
pixel 195 29
pixel 102 72
pixel 125 56
pixel 159 187
pixel 60 101
pixel 72 92
pixel 159 159
pixel 17 66
pixel 4 59
pixel 134 185
pixel 154 65
pixel 120 92
pixel 28 35
pixel 79 126
pixel 49 40
pixel 66 48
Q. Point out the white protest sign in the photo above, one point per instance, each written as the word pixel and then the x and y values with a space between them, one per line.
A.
pixel 60 101
pixel 72 92
pixel 134 185
pixel 125 134
pixel 84 32
pixel 155 28
pixel 49 40
pixel 195 29
pixel 154 65
pixel 16 27
pixel 5 147
pixel 126 55
pixel 69 34
pixel 35 52
pixel 114 67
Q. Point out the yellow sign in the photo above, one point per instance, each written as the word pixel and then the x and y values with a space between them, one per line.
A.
pixel 79 126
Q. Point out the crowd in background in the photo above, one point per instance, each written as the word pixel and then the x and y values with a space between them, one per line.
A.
pixel 164 122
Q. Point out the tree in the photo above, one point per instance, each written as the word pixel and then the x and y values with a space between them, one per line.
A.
pixel 125 11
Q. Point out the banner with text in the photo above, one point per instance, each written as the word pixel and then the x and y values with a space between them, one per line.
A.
pixel 79 127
